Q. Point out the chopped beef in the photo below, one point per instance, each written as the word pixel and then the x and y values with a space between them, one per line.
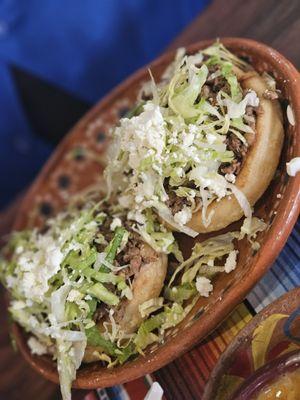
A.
pixel 236 145
pixel 176 203
pixel 239 149
pixel 206 92
pixel 250 116
pixel 213 85
pixel 131 255
pixel 100 312
pixel 135 253
pixel 148 254
pixel 106 232
pixel 135 264
pixel 231 168
pixel 220 83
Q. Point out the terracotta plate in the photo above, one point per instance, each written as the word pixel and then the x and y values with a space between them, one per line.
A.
pixel 79 161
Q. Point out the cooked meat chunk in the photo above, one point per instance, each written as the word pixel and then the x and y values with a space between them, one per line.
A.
pixel 231 168
pixel 176 203
pixel 214 84
pixel 236 145
pixel 239 149
pixel 148 254
pixel 250 116
pixel 206 92
pixel 135 254
pixel 131 255
pixel 220 83
pixel 100 312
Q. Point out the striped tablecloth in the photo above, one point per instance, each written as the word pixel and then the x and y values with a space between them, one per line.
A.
pixel 185 378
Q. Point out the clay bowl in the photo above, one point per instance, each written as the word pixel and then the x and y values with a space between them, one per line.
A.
pixel 79 161
pixel 250 362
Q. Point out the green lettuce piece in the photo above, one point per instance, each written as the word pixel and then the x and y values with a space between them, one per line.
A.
pixel 69 357
pixel 179 294
pixel 182 101
pixel 152 323
pixel 80 262
pixel 101 293
pixel 92 306
pixel 201 268
pixel 212 249
pixel 72 311
pixel 235 88
pixel 150 306
pixel 94 338
pixel 173 315
pixel 158 237
pixel 144 335
pixel 136 110
pixel 126 352
pixel 66 369
pixel 218 53
pixel 240 125
pixel 103 277
pixel 112 248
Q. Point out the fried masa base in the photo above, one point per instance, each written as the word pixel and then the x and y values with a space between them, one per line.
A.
pixel 260 162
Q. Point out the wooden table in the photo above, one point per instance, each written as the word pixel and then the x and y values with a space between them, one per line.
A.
pixel 273 22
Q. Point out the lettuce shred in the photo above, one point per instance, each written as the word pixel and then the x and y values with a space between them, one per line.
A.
pixel 56 279
pixel 176 143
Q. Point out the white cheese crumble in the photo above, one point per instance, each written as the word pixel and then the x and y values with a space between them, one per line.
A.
pixel 230 178
pixel 230 263
pixel 204 286
pixel 138 134
pixel 36 347
pixel 183 216
pixel 18 304
pixel 290 115
pixel 10 281
pixel 293 166
pixel 39 266
pixel 237 110
pixel 74 295
pixel 116 222
pixel 210 138
pixel 214 182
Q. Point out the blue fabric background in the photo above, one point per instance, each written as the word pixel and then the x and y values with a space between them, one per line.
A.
pixel 84 47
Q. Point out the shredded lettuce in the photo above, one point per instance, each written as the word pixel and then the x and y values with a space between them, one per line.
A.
pixel 177 143
pixel 66 366
pixel 150 306
pixel 57 278
pixel 182 94
pixel 180 293
pixel 94 338
pixel 250 228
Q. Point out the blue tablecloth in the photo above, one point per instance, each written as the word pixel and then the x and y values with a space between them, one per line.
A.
pixel 83 48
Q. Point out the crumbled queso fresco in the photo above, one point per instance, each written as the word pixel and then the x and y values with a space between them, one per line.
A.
pixel 176 143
